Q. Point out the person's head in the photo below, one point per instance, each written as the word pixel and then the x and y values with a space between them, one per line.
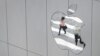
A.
pixel 62 18
pixel 78 29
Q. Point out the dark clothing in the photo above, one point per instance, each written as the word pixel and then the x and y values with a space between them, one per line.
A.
pixel 77 36
pixel 64 29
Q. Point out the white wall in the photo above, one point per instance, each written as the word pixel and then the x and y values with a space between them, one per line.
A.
pixel 24 32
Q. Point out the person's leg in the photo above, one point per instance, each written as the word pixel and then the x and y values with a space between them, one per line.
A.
pixel 84 45
pixel 82 41
pixel 64 29
pixel 59 30
pixel 76 39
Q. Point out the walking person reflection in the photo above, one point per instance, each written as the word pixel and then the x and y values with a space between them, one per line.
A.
pixel 62 25
pixel 77 36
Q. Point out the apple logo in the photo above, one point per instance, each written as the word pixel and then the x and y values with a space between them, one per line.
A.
pixel 66 30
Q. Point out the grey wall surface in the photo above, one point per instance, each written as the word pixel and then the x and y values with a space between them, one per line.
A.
pixel 24 30
pixel 3 30
pixel 36 26
pixel 96 28
pixel 16 22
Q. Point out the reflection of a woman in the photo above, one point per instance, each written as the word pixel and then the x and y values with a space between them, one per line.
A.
pixel 62 26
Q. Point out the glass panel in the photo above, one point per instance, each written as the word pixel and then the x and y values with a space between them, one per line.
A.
pixel 66 30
